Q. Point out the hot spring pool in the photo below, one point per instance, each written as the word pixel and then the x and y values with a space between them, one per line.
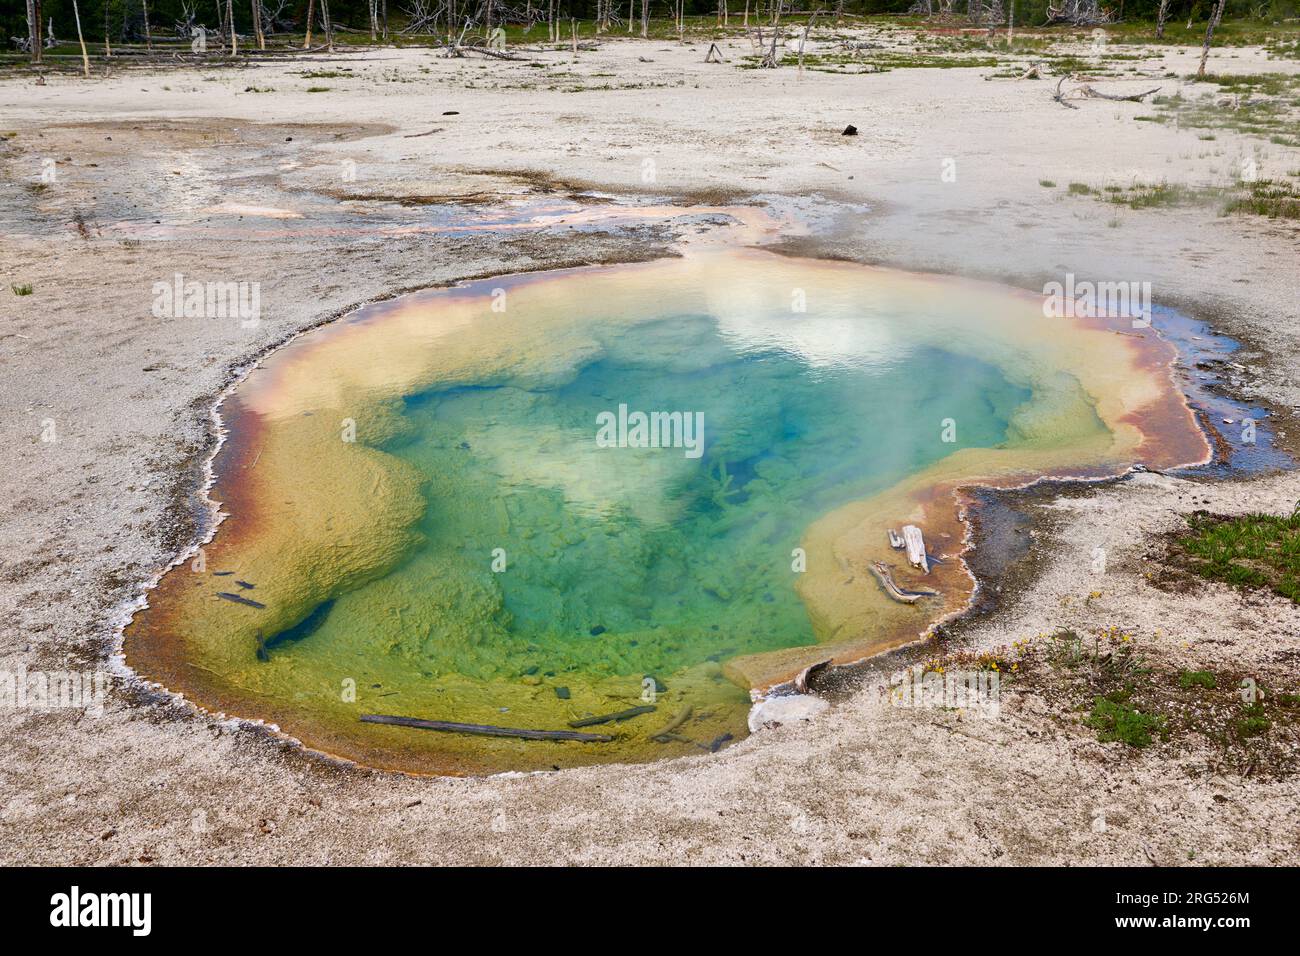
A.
pixel 447 507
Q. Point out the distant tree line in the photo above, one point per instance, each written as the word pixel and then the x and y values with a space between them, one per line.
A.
pixel 124 20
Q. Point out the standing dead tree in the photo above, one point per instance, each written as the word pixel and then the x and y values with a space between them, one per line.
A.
pixel 85 57
pixel 1161 14
pixel 1215 17
pixel 1079 13
pixel 34 39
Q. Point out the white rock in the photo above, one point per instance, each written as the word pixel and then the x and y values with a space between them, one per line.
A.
pixel 775 711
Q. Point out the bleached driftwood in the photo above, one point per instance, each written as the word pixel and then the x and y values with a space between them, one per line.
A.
pixel 915 543
pixel 886 579
pixel 895 541
pixel 803 681
pixel 1090 93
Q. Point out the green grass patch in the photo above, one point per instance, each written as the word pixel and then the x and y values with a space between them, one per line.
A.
pixel 1115 719
pixel 1266 197
pixel 1196 679
pixel 1253 551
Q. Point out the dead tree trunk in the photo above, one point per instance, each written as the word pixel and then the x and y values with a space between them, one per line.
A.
pixel 645 19
pixel 148 36
pixel 311 9
pixel 327 24
pixel 1160 19
pixel 38 37
pixel 230 19
pixel 108 50
pixel 32 44
pixel 1209 35
pixel 85 57
pixel 257 24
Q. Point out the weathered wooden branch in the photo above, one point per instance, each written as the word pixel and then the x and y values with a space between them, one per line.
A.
pixel 483 730
pixel 617 717
pixel 670 728
pixel 803 680
pixel 1089 92
pixel 886 579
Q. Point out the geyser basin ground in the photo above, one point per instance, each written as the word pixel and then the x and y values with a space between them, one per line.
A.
pixel 434 522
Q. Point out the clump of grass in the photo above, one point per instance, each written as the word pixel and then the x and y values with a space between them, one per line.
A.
pixel 1266 197
pixel 1080 189
pixel 1115 719
pixel 1196 679
pixel 1047 183
pixel 1103 682
pixel 318 89
pixel 1253 723
pixel 21 288
pixel 1253 551
pixel 1158 195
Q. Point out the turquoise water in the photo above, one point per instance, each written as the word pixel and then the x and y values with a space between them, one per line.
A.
pixel 644 560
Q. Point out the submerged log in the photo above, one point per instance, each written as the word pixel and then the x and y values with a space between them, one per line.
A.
pixel 915 543
pixel 667 732
pixel 886 579
pixel 240 599
pixel 618 717
pixel 483 730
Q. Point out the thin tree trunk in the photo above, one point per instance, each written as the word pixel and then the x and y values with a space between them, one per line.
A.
pixel 1209 35
pixel 31 25
pixel 38 33
pixel 257 25
pixel 327 24
pixel 311 9
pixel 1160 19
pixel 108 50
pixel 746 24
pixel 85 57
pixel 148 36
pixel 383 4
pixel 645 19
pixel 230 19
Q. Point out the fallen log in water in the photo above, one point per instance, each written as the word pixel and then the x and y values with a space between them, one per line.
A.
pixel 483 730
pixel 239 599
pixel 618 717
pixel 667 733
pixel 886 579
